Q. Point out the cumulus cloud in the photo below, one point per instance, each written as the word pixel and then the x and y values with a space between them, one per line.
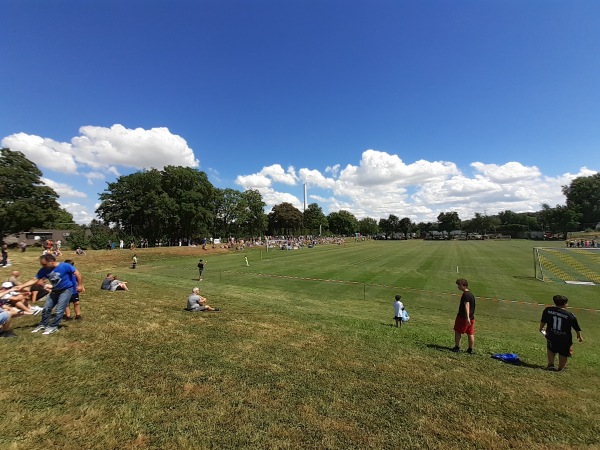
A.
pixel 382 184
pixel 91 176
pixel 267 176
pixel 315 178
pixel 63 189
pixel 506 173
pixel 381 168
pixel 102 148
pixel 45 153
pixel 119 146
pixel 80 213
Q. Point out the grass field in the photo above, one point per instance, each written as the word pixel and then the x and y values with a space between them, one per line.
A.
pixel 303 354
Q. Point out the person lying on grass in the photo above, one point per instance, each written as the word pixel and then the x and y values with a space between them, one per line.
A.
pixel 197 303
pixel 118 285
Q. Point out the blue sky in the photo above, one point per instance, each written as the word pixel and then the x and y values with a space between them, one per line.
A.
pixel 397 107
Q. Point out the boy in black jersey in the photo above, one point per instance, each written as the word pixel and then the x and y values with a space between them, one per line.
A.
pixel 558 322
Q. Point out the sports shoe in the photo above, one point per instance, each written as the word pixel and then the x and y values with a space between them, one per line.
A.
pixel 67 318
pixel 456 349
pixel 78 317
pixel 35 312
pixel 38 328
pixel 50 330
pixel 470 351
pixel 551 367
pixel 217 309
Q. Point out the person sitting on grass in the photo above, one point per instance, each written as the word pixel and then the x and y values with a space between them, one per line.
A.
pixel 59 281
pixel 6 315
pixel 105 286
pixel 558 323
pixel 197 303
pixel 118 285
pixel 11 297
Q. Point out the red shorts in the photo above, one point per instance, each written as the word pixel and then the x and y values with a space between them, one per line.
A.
pixel 463 327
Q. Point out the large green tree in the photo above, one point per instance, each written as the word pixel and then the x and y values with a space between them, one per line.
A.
pixel 405 225
pixel 583 196
pixel 368 226
pixel 285 219
pixel 314 218
pixel 448 221
pixel 25 202
pixel 343 223
pixel 228 211
pixel 561 219
pixel 176 202
pixel 253 219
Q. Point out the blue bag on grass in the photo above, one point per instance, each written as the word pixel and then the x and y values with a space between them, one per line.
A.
pixel 512 358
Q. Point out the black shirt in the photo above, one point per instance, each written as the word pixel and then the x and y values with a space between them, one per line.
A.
pixel 559 322
pixel 469 298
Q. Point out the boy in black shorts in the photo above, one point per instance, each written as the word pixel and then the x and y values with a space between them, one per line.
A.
pixel 558 322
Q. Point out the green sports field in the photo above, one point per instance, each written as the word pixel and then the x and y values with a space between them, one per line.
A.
pixel 303 354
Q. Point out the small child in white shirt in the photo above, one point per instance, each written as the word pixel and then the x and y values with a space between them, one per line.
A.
pixel 400 314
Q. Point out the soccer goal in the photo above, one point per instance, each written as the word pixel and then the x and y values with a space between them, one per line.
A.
pixel 567 265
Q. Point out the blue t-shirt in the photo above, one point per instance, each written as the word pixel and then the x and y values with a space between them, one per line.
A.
pixel 60 277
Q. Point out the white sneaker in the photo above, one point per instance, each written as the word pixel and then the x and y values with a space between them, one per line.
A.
pixel 38 328
pixel 50 330
pixel 36 311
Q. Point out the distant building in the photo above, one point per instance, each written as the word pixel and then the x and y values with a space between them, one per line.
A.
pixel 38 236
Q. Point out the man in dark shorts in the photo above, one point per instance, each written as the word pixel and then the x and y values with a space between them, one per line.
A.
pixel 465 319
pixel 558 323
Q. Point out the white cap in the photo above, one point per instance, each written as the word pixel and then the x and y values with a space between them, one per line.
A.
pixel 7 285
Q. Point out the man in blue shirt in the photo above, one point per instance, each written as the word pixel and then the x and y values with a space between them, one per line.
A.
pixel 64 280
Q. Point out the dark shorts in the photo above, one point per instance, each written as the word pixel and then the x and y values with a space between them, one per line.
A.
pixel 561 346
pixel 461 326
pixel 74 298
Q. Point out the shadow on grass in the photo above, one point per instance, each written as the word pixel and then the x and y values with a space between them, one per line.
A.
pixel 518 363
pixel 440 347
pixel 391 325
pixel 521 363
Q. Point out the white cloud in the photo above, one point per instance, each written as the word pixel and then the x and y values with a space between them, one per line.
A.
pixel 102 148
pixel 315 178
pixel 255 181
pixel 382 184
pixel 45 153
pixel 263 180
pixel 63 189
pixel 506 173
pixel 278 175
pixel 333 170
pixel 272 198
pixel 91 176
pixel 79 212
pixel 99 147
pixel 380 168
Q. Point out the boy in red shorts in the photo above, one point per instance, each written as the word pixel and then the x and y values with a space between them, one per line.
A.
pixel 465 319
pixel 558 322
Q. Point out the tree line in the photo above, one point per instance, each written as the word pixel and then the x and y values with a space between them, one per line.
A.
pixel 179 203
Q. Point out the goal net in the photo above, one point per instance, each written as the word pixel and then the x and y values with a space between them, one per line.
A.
pixel 567 265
